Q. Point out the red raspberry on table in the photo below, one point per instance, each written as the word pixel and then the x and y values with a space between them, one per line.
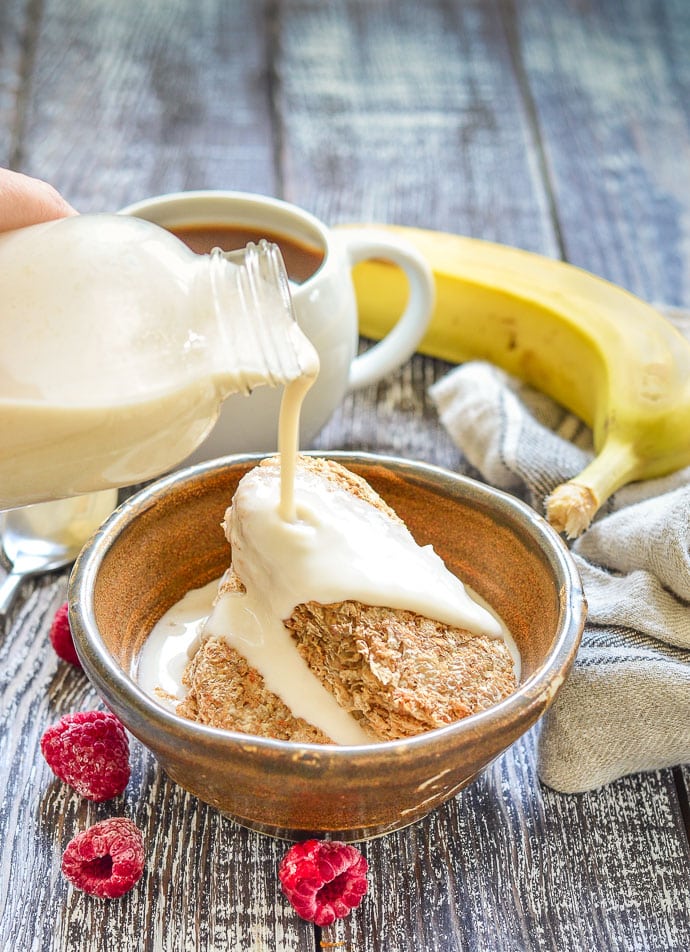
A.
pixel 323 879
pixel 60 635
pixel 107 859
pixel 89 751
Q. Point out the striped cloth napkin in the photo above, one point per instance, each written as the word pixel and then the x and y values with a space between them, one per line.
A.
pixel 626 704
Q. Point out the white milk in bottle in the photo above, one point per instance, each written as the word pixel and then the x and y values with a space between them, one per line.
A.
pixel 119 345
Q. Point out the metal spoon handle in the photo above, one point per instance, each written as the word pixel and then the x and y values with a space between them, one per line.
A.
pixel 9 589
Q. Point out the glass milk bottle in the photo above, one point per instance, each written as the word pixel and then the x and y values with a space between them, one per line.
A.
pixel 119 345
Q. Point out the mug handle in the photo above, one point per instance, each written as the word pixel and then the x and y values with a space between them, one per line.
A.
pixel 401 341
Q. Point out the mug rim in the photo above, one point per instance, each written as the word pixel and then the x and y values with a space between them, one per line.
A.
pixel 171 203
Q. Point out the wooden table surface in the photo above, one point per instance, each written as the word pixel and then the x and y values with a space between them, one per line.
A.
pixel 560 126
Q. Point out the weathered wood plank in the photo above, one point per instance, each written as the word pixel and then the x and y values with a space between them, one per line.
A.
pixel 610 84
pixel 682 775
pixel 17 37
pixel 146 98
pixel 14 62
pixel 517 866
pixel 409 113
pixel 208 884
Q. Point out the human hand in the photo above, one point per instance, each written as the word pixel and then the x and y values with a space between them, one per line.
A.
pixel 27 201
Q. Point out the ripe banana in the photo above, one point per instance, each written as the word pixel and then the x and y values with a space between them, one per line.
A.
pixel 598 350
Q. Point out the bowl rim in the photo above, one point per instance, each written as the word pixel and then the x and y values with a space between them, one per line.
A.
pixel 103 670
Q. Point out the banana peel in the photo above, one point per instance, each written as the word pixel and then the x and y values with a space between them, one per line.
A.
pixel 596 349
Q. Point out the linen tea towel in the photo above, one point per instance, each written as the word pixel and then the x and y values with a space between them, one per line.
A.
pixel 626 704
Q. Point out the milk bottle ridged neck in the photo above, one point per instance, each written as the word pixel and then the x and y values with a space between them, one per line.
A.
pixel 258 330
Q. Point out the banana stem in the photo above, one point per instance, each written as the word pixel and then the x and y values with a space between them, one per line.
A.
pixel 571 506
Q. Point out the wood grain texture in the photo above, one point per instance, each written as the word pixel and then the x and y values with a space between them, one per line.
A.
pixel 148 98
pixel 682 775
pixel 443 896
pixel 558 127
pixel 610 85
pixel 207 884
pixel 15 63
pixel 408 113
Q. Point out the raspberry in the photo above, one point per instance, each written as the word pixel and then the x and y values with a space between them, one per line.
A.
pixel 90 751
pixel 107 859
pixel 61 637
pixel 323 879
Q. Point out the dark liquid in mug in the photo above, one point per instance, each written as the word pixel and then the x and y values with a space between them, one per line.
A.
pixel 301 260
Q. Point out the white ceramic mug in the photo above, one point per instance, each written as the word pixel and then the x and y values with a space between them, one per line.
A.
pixel 324 303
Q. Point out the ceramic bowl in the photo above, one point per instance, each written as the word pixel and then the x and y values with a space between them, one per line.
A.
pixel 167 539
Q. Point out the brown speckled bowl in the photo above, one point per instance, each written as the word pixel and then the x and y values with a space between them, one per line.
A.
pixel 167 539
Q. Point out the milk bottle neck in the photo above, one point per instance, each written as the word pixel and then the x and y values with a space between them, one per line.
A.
pixel 259 341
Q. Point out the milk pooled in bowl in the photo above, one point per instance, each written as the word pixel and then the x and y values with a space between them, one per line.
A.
pixel 344 547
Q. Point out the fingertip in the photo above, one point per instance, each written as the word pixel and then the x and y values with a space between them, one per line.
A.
pixel 25 200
